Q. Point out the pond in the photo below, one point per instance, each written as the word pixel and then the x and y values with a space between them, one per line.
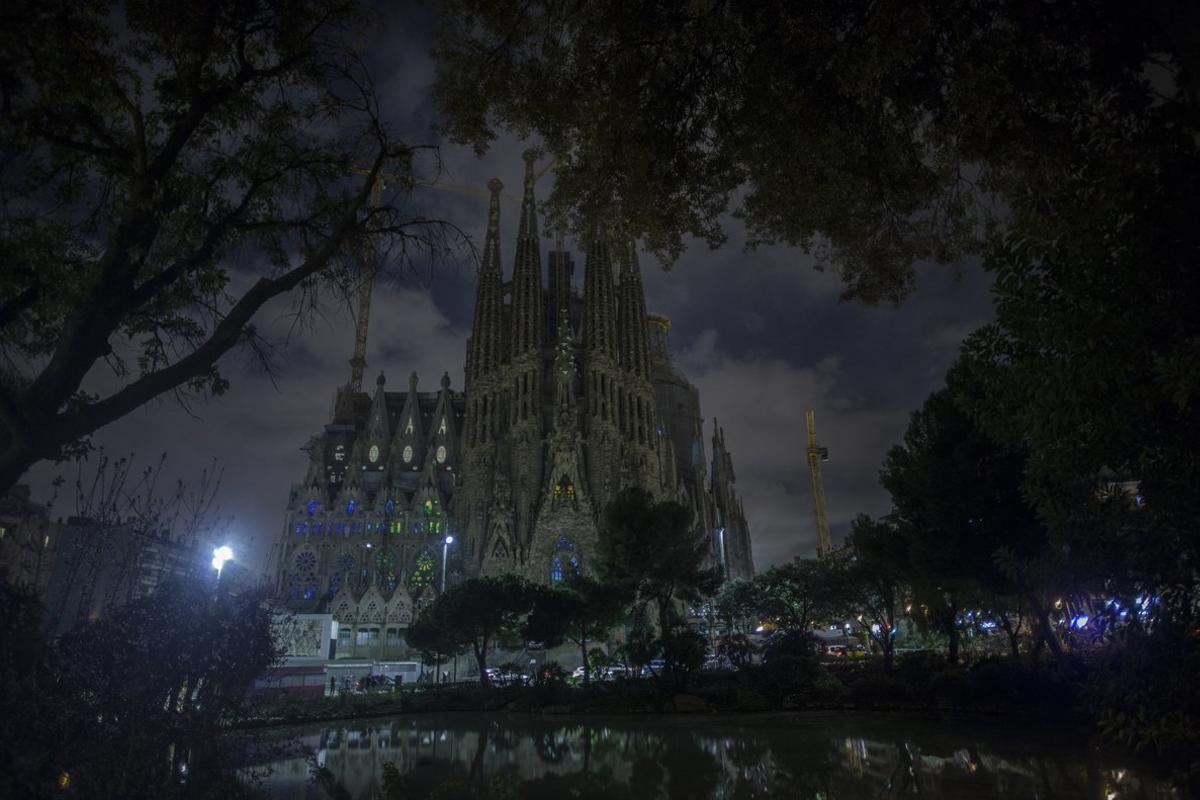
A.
pixel 842 756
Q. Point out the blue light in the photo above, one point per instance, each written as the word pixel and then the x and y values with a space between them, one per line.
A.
pixel 312 507
pixel 350 507
pixel 1079 622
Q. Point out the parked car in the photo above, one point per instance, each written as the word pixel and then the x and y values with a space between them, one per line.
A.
pixel 614 672
pixel 498 677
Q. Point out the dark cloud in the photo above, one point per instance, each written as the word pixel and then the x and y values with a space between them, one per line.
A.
pixel 761 334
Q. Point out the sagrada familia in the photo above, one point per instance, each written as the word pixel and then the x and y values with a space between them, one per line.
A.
pixel 569 398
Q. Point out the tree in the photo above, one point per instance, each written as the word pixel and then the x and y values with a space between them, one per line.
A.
pixel 582 611
pixel 793 594
pixel 870 581
pixel 157 160
pixel 651 551
pixel 876 134
pixel 436 636
pixel 125 704
pixel 473 614
pixel 957 501
pixel 740 602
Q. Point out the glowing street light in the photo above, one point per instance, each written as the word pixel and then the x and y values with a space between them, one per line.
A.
pixel 220 556
pixel 449 540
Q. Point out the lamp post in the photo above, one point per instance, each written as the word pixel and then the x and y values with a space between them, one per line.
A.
pixel 449 540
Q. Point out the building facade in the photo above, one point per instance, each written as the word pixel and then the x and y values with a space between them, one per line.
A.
pixel 570 397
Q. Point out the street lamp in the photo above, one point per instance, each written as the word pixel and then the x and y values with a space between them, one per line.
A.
pixel 449 540
pixel 220 556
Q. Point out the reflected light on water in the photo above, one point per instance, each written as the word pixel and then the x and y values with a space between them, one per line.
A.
pixel 833 756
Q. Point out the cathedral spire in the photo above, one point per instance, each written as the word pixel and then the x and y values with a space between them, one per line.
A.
pixel 633 336
pixel 599 325
pixel 483 356
pixel 527 304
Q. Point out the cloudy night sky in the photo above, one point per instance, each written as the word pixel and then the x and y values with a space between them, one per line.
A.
pixel 761 334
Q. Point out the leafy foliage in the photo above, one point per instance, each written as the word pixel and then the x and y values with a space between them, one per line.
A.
pixel 125 705
pixel 651 552
pixel 167 171
pixel 472 615
pixel 580 610
pixel 876 134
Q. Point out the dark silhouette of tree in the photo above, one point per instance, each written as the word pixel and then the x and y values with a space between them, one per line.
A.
pixel 956 499
pixel 874 134
pixel 472 615
pixel 581 611
pixel 167 171
pixel 868 575
pixel 651 552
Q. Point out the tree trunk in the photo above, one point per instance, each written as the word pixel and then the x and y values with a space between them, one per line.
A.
pixel 481 660
pixel 953 636
pixel 586 667
pixel 1045 631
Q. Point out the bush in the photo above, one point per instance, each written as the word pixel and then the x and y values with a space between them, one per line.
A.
pixel 1143 694
pixel 790 644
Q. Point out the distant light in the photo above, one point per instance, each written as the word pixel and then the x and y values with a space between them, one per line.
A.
pixel 449 540
pixel 1079 621
pixel 759 629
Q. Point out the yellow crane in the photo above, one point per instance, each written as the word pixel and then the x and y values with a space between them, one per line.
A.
pixel 358 361
pixel 816 455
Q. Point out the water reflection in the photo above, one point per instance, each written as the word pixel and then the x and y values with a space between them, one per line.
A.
pixel 831 757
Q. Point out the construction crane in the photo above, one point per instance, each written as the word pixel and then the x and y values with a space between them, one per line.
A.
pixel 816 455
pixel 358 361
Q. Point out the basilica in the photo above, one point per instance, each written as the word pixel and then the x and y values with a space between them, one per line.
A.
pixel 570 396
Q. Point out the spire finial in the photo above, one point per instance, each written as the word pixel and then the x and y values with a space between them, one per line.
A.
pixel 445 380
pixel 381 380
pixel 412 381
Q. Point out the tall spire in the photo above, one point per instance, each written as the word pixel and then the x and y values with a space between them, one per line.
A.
pixel 527 304
pixel 484 354
pixel 599 325
pixel 633 336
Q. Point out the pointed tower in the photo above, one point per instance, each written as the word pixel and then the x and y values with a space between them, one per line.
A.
pixel 486 393
pixel 525 365
pixel 483 353
pixel 635 401
pixel 602 375
pixel 376 439
pixel 408 443
pixel 443 436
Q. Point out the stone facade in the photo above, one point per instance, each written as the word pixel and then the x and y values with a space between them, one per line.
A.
pixel 569 397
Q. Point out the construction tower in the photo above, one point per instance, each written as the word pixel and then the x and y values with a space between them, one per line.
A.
pixel 816 455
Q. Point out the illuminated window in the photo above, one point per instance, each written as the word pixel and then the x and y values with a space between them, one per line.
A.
pixel 389 507
pixel 312 507
pixel 564 543
pixel 556 569
pixel 573 563
pixel 422 574
pixel 350 507
pixel 367 637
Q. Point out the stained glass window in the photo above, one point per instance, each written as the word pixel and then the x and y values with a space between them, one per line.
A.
pixel 422 574
pixel 312 507
pixel 564 543
pixel 385 571
pixel 389 507
pixel 306 562
pixel 350 507
pixel 574 565
pixel 556 569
